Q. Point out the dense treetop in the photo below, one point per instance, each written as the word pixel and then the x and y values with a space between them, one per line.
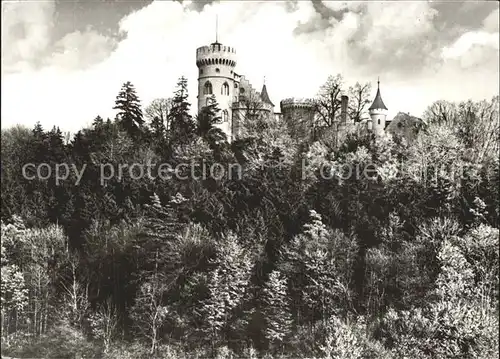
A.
pixel 375 248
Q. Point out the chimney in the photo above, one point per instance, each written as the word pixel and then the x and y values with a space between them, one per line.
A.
pixel 343 110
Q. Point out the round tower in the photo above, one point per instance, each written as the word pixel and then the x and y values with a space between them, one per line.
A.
pixel 298 114
pixel 378 113
pixel 216 65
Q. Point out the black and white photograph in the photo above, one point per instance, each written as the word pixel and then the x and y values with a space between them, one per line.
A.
pixel 238 179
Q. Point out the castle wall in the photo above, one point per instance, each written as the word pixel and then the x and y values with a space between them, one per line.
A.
pixel 299 118
pixel 239 102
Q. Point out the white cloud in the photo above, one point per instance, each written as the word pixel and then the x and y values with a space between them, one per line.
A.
pixel 160 44
pixel 468 40
pixel 342 5
pixel 396 22
pixel 26 31
pixel 79 50
pixel 491 23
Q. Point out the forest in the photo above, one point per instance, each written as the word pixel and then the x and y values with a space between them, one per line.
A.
pixel 293 257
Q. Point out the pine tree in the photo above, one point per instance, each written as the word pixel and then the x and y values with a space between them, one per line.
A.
pixel 208 117
pixel 314 261
pixel 158 128
pixel 277 315
pixel 57 194
pixel 183 126
pixel 158 134
pixel 98 122
pixel 38 131
pixel 129 110
pixel 56 145
pixel 227 286
pixel 40 143
pixel 162 221
pixel 80 147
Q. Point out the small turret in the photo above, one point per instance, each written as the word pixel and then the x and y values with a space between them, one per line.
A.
pixel 264 96
pixel 378 113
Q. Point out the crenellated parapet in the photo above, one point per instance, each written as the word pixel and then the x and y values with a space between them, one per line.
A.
pixel 296 103
pixel 214 48
pixel 216 54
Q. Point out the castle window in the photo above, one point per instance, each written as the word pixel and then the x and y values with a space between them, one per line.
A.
pixel 201 71
pixel 217 70
pixel 225 116
pixel 378 121
pixel 242 90
pixel 235 85
pixel 207 89
pixel 225 89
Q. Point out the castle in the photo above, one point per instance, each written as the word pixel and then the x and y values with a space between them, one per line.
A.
pixel 239 101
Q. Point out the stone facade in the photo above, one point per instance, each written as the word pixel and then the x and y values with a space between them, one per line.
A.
pixel 239 101
pixel 235 95
pixel 216 76
pixel 299 115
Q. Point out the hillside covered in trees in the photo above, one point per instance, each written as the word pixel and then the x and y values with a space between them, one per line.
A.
pixel 371 249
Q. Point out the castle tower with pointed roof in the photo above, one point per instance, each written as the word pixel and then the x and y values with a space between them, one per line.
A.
pixel 378 113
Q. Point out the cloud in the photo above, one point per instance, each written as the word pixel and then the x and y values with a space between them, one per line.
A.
pixel 390 37
pixel 26 32
pixel 491 21
pixel 295 44
pixel 477 48
pixel 80 50
pixel 470 40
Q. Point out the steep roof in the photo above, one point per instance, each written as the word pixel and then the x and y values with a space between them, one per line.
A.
pixel 264 96
pixel 378 103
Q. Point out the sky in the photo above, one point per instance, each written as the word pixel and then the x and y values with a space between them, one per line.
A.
pixel 63 62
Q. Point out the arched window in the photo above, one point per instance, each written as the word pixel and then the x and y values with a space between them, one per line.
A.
pixel 378 121
pixel 207 90
pixel 235 85
pixel 225 116
pixel 225 89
